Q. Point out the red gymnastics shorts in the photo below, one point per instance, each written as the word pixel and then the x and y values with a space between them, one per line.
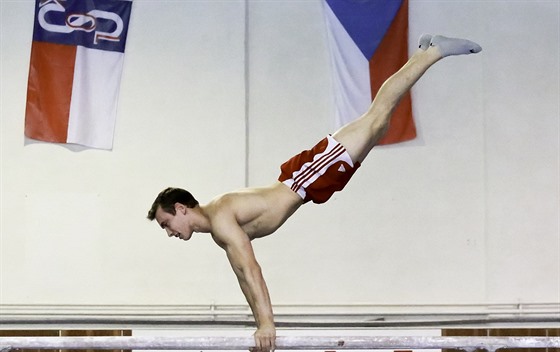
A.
pixel 317 173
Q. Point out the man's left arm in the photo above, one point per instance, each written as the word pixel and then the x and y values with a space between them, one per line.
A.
pixel 242 258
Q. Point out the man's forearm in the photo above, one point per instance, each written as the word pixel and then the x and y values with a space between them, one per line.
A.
pixel 259 301
pixel 256 292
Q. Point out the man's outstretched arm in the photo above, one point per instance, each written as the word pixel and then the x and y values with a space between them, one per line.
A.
pixel 241 256
pixel 254 288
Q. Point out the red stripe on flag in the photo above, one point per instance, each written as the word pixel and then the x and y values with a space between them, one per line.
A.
pixel 390 56
pixel 49 91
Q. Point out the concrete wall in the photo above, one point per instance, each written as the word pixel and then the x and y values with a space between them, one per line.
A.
pixel 468 212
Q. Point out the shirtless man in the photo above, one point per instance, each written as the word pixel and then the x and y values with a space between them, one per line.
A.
pixel 235 219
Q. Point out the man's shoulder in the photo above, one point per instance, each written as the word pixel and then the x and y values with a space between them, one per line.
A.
pixel 222 205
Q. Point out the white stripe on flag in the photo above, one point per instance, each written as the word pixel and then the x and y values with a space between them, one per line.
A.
pixel 351 77
pixel 93 108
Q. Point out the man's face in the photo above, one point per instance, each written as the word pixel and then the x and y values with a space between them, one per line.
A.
pixel 175 225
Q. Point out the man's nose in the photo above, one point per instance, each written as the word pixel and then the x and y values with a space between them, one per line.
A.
pixel 169 232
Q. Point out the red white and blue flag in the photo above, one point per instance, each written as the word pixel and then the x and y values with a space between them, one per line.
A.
pixel 368 43
pixel 75 71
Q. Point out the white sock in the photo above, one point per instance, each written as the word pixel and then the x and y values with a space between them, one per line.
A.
pixel 454 46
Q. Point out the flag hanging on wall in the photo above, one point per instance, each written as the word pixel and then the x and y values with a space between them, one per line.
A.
pixel 75 70
pixel 368 42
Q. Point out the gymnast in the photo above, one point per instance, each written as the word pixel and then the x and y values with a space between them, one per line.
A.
pixel 235 219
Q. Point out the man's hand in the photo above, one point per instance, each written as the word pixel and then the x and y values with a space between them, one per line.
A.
pixel 265 339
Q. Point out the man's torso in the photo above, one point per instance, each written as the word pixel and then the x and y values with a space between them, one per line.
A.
pixel 258 211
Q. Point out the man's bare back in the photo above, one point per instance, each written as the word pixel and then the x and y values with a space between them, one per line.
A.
pixel 258 211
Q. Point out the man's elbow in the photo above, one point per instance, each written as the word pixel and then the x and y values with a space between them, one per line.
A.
pixel 251 272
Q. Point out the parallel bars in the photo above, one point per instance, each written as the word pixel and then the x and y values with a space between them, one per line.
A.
pixel 282 343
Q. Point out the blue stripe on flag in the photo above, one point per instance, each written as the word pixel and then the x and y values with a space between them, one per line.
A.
pixel 366 21
pixel 95 24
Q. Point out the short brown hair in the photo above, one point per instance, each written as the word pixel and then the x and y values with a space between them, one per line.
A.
pixel 167 198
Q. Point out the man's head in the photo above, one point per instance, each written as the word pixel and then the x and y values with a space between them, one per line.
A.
pixel 171 209
pixel 167 199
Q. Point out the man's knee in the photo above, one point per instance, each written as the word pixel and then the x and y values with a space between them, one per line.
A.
pixel 379 118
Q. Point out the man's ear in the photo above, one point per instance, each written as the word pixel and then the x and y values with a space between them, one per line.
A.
pixel 180 208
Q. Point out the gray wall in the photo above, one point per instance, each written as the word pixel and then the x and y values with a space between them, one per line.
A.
pixel 466 213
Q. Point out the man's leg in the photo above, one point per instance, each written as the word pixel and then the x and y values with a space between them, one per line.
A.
pixel 362 134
